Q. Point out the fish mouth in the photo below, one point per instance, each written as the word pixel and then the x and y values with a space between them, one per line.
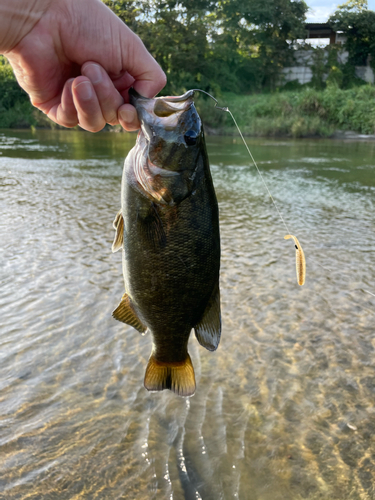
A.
pixel 179 98
pixel 162 106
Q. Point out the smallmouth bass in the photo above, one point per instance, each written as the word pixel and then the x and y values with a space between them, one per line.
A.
pixel 168 228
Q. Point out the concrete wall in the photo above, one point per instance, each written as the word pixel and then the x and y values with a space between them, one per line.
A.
pixel 365 72
pixel 303 74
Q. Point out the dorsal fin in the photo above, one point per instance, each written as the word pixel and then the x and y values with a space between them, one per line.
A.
pixel 118 224
pixel 124 312
pixel 208 330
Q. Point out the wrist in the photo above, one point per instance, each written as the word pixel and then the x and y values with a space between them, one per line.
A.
pixel 17 19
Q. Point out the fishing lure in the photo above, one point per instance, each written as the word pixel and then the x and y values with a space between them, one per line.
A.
pixel 300 260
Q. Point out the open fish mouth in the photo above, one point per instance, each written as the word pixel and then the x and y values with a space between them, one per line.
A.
pixel 134 96
pixel 162 107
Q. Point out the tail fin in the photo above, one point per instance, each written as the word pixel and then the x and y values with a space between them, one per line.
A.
pixel 178 377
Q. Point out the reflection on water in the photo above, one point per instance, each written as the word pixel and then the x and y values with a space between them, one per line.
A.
pixel 283 409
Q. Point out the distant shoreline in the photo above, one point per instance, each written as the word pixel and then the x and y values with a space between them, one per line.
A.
pixel 306 113
pixel 347 135
pixel 338 134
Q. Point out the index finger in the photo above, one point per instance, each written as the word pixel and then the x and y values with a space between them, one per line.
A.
pixel 148 76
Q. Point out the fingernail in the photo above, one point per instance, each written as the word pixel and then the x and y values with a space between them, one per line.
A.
pixel 93 72
pixel 127 115
pixel 84 90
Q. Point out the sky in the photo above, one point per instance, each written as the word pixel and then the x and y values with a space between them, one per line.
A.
pixel 320 10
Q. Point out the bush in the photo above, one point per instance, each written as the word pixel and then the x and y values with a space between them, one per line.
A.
pixel 10 92
pixel 306 113
pixel 16 110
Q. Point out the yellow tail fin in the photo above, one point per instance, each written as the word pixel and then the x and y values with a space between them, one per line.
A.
pixel 178 377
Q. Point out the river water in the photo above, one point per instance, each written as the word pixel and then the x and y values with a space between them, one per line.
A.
pixel 284 409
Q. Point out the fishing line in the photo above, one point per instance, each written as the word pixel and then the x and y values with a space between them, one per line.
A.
pixel 226 109
pixel 300 257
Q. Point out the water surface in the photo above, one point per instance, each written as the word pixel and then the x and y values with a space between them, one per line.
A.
pixel 284 409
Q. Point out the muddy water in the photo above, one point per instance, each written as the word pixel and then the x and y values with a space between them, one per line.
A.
pixel 284 409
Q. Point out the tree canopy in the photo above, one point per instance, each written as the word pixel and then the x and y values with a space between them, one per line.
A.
pixel 358 25
pixel 232 45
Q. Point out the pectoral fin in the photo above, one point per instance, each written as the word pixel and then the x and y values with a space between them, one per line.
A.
pixel 118 224
pixel 151 227
pixel 208 330
pixel 124 312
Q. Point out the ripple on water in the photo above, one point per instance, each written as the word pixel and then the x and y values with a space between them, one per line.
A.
pixel 283 409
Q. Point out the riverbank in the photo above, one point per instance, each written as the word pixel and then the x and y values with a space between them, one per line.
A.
pixel 304 113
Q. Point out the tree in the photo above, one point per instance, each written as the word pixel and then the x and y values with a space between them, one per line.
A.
pixel 358 25
pixel 234 45
pixel 262 31
pixel 354 5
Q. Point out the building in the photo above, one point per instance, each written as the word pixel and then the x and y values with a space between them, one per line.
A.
pixel 320 30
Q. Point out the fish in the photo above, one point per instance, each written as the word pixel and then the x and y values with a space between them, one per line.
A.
pixel 300 260
pixel 168 230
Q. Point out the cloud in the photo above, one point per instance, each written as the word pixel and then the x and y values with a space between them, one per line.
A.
pixel 319 11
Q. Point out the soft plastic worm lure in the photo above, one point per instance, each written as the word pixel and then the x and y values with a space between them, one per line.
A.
pixel 300 260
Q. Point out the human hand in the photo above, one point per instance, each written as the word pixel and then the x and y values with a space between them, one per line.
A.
pixel 84 38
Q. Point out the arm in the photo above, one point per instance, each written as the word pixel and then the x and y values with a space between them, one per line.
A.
pixel 77 60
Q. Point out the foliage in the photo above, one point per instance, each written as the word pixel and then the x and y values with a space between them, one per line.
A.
pixel 358 25
pixel 264 30
pixel 305 113
pixel 319 67
pixel 228 45
pixel 16 110
pixel 15 107
pixel 328 68
pixel 10 91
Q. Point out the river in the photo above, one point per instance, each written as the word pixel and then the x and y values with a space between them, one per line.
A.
pixel 284 409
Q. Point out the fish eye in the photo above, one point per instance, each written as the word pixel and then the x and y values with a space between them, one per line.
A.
pixel 190 137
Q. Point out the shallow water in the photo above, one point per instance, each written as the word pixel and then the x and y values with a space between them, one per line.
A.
pixel 284 409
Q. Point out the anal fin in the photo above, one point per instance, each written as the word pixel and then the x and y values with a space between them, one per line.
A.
pixel 118 224
pixel 178 377
pixel 208 330
pixel 124 312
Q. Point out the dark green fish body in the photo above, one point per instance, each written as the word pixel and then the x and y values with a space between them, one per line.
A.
pixel 169 226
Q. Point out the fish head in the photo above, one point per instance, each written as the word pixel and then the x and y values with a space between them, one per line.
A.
pixel 171 129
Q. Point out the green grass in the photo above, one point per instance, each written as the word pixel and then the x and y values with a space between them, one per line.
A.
pixel 303 113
